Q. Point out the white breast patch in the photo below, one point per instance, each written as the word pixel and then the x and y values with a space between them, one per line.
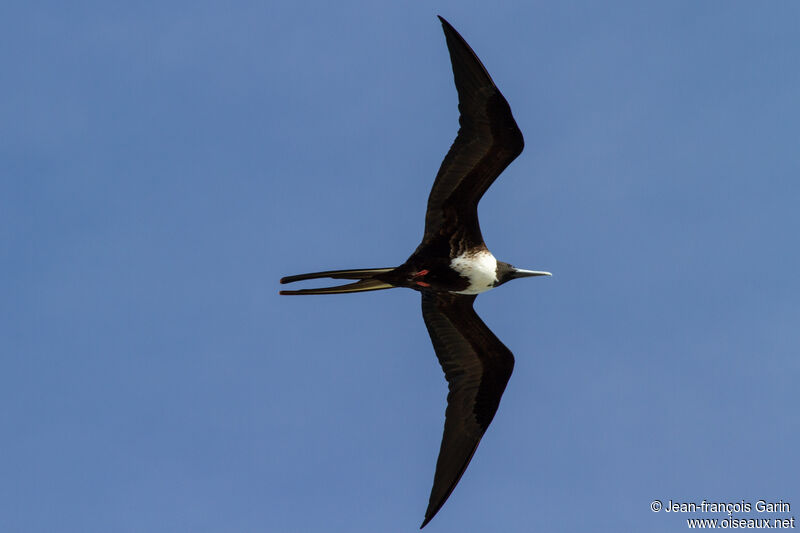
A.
pixel 480 269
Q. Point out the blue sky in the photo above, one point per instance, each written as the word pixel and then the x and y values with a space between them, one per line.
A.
pixel 163 164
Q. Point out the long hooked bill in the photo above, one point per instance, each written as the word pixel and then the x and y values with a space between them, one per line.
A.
pixel 522 273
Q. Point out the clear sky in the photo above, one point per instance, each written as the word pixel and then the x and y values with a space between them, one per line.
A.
pixel 163 164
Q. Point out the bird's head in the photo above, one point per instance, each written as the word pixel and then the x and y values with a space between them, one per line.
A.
pixel 506 272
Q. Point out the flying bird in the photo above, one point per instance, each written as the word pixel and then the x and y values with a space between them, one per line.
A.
pixel 452 265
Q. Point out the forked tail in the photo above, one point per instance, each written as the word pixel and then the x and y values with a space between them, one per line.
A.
pixel 365 282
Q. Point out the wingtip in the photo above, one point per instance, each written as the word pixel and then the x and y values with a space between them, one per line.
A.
pixel 427 518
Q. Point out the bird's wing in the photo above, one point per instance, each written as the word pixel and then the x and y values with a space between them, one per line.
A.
pixel 477 367
pixel 488 141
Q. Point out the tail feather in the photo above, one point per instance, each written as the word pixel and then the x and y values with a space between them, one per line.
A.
pixel 359 286
pixel 365 282
pixel 359 273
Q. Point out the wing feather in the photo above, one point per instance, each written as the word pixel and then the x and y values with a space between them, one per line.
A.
pixel 477 367
pixel 488 141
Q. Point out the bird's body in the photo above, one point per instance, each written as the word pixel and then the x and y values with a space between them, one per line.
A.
pixel 452 265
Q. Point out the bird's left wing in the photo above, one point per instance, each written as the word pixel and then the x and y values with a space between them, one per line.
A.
pixel 477 367
pixel 488 141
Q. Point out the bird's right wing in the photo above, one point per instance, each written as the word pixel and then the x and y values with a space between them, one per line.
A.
pixel 488 141
pixel 477 367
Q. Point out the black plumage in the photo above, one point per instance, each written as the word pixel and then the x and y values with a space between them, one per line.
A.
pixel 452 265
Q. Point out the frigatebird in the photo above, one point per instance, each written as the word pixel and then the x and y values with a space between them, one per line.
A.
pixel 452 265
